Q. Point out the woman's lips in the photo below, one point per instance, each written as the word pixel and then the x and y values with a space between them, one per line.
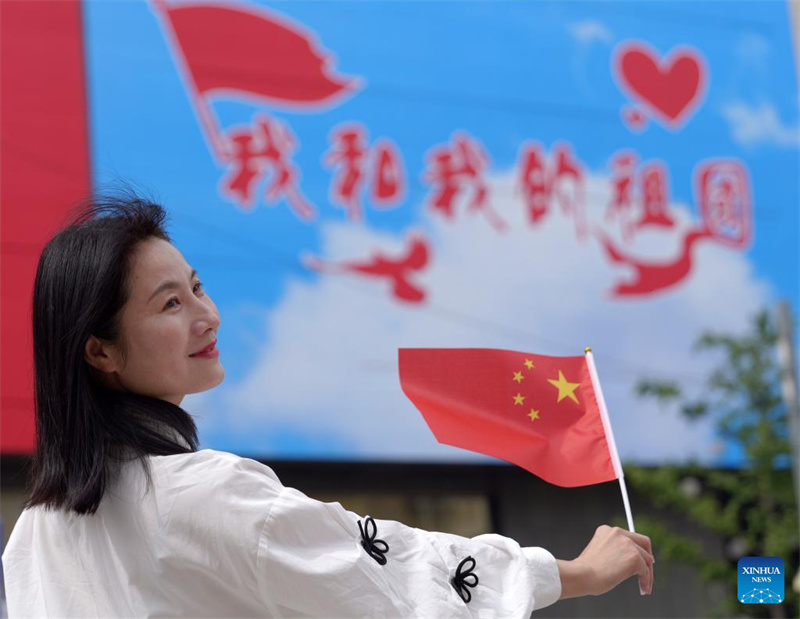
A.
pixel 209 352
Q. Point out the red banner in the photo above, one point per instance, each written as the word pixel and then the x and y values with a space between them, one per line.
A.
pixel 44 168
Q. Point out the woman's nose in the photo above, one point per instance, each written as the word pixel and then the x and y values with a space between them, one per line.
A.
pixel 208 316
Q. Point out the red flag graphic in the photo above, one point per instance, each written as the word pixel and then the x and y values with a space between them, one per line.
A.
pixel 541 413
pixel 253 53
pixel 398 270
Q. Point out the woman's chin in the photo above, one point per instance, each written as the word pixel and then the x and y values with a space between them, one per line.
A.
pixel 220 376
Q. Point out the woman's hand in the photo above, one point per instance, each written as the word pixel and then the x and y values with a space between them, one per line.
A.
pixel 612 556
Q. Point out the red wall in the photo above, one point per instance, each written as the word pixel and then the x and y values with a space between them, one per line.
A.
pixel 44 168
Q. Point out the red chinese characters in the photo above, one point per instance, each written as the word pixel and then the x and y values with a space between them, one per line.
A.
pixel 561 180
pixel 655 197
pixel 722 191
pixel 623 166
pixel 262 150
pixel 457 170
pixel 356 163
pixel 638 205
pixel 534 181
pixel 639 198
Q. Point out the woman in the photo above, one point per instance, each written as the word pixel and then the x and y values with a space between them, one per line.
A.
pixel 127 518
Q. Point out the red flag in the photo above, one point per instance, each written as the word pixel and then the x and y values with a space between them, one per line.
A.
pixel 541 413
pixel 253 53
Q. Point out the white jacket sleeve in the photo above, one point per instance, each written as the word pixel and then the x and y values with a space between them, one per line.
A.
pixel 311 562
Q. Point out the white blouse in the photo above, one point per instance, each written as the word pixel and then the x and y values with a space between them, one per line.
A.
pixel 219 536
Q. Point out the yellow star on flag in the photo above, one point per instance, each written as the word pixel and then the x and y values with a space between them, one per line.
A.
pixel 518 377
pixel 534 415
pixel 529 364
pixel 518 398
pixel 565 388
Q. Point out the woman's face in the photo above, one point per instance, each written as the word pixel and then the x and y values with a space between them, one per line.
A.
pixel 167 318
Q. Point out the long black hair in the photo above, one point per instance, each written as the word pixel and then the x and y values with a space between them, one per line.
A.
pixel 84 430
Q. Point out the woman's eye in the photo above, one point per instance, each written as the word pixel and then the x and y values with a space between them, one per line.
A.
pixel 197 286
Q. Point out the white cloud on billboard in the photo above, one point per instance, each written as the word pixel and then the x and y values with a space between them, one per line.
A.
pixel 327 369
pixel 590 30
pixel 761 124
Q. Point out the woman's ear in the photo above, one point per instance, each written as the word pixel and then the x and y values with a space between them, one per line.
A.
pixel 100 355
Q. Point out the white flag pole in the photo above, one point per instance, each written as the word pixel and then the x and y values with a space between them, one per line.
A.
pixel 612 444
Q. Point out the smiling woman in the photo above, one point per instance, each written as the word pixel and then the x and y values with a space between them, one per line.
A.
pixel 127 518
pixel 168 324
pixel 112 363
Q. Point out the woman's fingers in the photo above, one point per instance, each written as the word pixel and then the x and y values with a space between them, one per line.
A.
pixel 614 555
pixel 641 540
pixel 635 547
pixel 645 565
pixel 644 547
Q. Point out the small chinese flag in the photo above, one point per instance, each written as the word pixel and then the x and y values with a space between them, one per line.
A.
pixel 541 413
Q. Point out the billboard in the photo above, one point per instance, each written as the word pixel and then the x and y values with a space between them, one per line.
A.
pixel 350 178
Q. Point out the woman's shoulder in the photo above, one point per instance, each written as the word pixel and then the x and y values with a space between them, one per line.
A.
pixel 218 469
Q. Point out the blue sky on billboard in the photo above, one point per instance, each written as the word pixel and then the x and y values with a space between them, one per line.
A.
pixel 541 168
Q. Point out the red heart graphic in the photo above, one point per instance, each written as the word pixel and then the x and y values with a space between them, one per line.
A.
pixel 671 88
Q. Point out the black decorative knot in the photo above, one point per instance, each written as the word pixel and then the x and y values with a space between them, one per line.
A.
pixel 465 578
pixel 376 548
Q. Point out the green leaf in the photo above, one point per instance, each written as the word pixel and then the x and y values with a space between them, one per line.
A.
pixel 756 503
